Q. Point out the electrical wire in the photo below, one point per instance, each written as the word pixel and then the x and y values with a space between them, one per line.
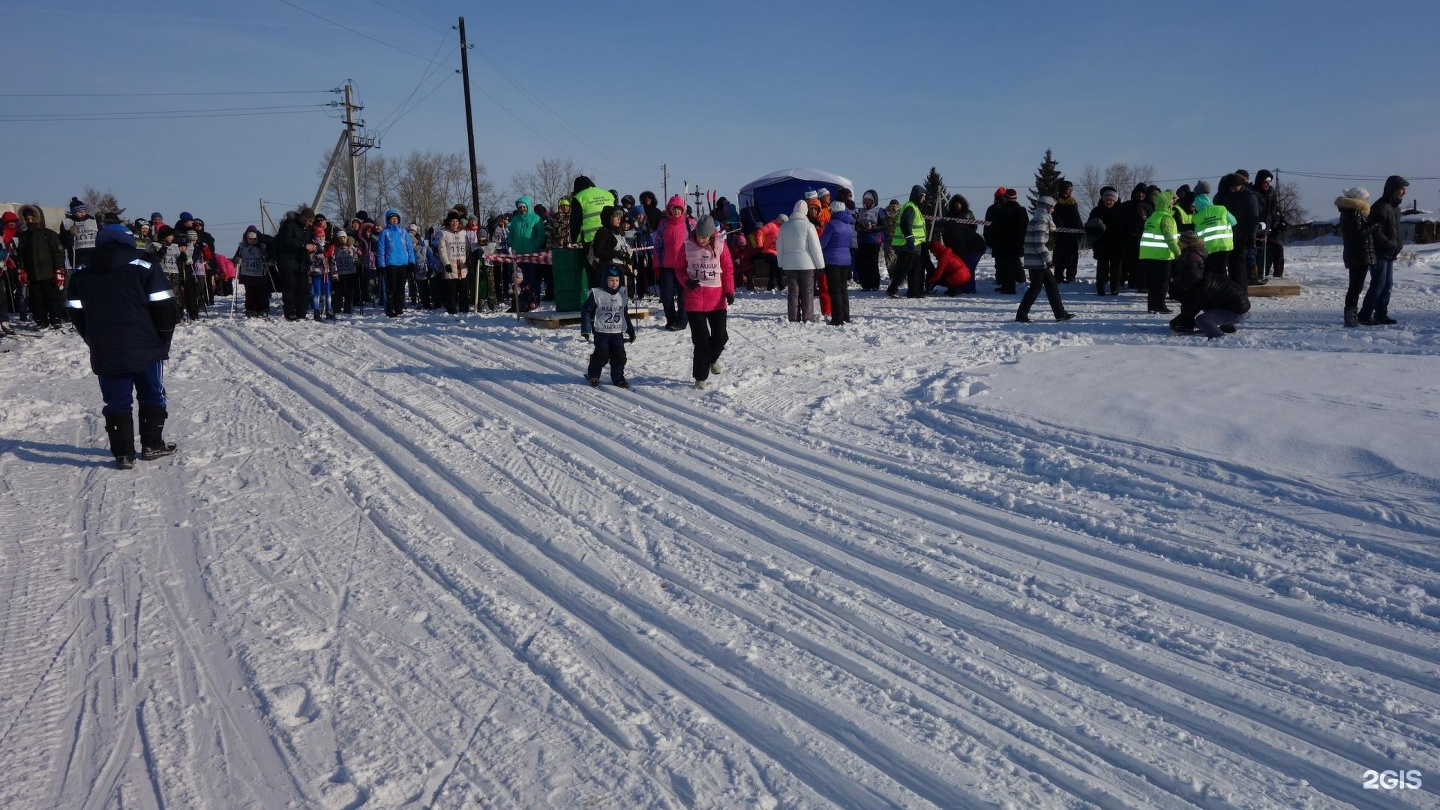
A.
pixel 126 114
pixel 443 80
pixel 126 95
pixel 134 117
pixel 375 40
pixel 424 76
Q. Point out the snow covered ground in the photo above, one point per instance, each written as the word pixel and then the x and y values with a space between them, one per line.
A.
pixel 933 559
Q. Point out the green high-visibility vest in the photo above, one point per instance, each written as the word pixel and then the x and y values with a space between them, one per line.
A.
pixel 1213 225
pixel 1158 241
pixel 591 201
pixel 917 228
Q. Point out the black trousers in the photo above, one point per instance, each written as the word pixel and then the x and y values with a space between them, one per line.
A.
pixel 1041 277
pixel 47 303
pixel 343 292
pixel 868 259
pixel 396 277
pixel 709 335
pixel 1008 273
pixel 1158 283
pixel 1274 253
pixel 1107 274
pixel 909 270
pixel 1067 257
pixel 837 277
pixel 608 349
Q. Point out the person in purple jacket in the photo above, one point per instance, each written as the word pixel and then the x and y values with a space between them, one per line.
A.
pixel 835 244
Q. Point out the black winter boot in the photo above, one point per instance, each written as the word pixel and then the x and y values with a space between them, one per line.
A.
pixel 120 427
pixel 1352 318
pixel 152 424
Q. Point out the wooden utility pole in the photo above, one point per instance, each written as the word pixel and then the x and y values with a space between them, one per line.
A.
pixel 469 122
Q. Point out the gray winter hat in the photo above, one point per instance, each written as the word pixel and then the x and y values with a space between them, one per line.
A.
pixel 1202 187
pixel 1357 193
pixel 705 228
pixel 1110 194
pixel 1046 202
pixel 836 207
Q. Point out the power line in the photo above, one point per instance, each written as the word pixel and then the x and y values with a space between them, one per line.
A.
pixel 375 40
pixel 545 108
pixel 411 19
pixel 425 75
pixel 443 80
pixel 81 116
pixel 127 95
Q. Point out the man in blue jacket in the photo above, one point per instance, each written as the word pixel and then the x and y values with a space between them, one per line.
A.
pixel 395 256
pixel 122 306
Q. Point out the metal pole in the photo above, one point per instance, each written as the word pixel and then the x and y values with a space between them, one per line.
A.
pixel 469 122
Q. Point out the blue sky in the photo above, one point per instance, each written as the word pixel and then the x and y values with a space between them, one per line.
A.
pixel 722 94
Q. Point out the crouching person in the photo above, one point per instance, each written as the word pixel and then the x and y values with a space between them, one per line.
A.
pixel 606 314
pixel 123 307
pixel 1209 302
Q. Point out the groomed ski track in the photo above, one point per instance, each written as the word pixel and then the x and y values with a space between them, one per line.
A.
pixel 400 565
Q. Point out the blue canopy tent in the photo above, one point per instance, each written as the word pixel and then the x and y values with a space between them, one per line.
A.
pixel 776 193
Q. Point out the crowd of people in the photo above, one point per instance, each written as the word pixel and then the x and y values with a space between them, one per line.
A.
pixel 125 286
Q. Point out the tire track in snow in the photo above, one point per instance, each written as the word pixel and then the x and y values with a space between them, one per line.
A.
pixel 1196 686
pixel 748 721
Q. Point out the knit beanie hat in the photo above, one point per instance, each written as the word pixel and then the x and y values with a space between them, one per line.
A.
pixel 76 206
pixel 812 195
pixel 1202 187
pixel 824 192
pixel 154 215
pixel 1263 175
pixel 1000 193
pixel 186 217
pixel 705 228
pixel 1108 193
pixel 1357 193
pixel 1046 202
pixel 192 236
pixel 112 235
pixel 1243 173
pixel 1011 194
pixel 837 206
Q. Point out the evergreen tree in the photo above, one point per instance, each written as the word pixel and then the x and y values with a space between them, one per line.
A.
pixel 1047 180
pixel 935 194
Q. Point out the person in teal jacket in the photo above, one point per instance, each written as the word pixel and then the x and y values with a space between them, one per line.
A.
pixel 527 235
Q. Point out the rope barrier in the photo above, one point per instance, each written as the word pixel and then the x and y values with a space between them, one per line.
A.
pixel 983 222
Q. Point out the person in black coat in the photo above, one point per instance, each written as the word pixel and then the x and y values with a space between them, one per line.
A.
pixel 1067 245
pixel 1214 305
pixel 1107 240
pixel 1385 214
pixel 1358 234
pixel 1006 237
pixel 43 260
pixel 963 238
pixel 291 250
pixel 1133 213
pixel 123 307
pixel 1244 204
pixel 1272 253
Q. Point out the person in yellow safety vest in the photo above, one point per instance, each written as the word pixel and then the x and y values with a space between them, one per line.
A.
pixel 1159 245
pixel 589 201
pixel 907 235
pixel 1214 224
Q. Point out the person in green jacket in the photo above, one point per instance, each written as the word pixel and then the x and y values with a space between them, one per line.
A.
pixel 1159 245
pixel 527 235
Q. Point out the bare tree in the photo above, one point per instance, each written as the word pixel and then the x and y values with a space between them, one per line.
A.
pixel 376 177
pixel 1124 177
pixel 421 185
pixel 1287 203
pixel 1087 188
pixel 101 202
pixel 551 180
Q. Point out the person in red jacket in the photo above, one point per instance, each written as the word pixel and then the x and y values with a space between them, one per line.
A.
pixel 950 270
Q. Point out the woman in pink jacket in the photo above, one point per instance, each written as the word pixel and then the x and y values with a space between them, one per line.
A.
pixel 709 277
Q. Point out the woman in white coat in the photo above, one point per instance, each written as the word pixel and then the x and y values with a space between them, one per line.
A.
pixel 798 249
